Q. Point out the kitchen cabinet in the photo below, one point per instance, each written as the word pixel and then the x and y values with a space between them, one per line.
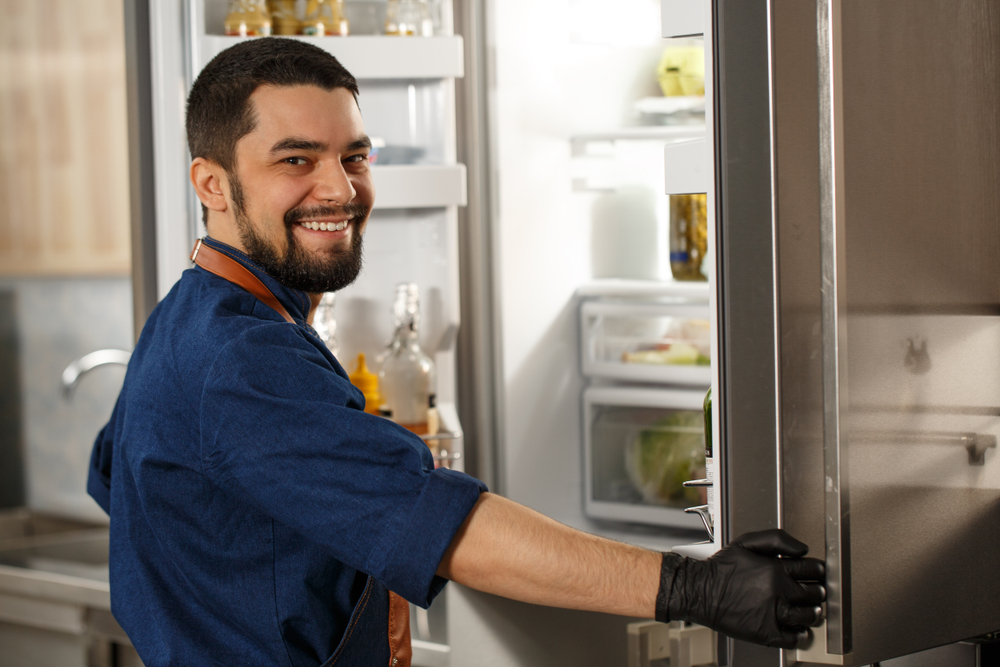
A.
pixel 64 200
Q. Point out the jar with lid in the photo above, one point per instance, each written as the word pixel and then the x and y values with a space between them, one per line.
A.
pixel 284 20
pixel 408 17
pixel 325 17
pixel 248 18
pixel 688 236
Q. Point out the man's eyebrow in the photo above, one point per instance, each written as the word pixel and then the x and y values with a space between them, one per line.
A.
pixel 363 142
pixel 298 144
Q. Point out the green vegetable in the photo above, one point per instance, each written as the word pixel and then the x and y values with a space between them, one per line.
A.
pixel 665 455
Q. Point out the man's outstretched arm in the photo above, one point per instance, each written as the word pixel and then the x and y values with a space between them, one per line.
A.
pixel 510 550
pixel 744 590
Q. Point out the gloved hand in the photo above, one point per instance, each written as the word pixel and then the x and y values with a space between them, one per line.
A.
pixel 744 591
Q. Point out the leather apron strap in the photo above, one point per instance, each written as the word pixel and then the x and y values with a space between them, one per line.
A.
pixel 400 647
pixel 226 267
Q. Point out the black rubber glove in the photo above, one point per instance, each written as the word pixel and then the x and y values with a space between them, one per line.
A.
pixel 744 591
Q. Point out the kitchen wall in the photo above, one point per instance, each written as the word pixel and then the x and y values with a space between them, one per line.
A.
pixel 53 322
pixel 64 241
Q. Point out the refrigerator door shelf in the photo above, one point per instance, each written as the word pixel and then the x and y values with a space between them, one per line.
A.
pixel 375 56
pixel 640 445
pixel 687 167
pixel 420 186
pixel 659 342
pixel 682 18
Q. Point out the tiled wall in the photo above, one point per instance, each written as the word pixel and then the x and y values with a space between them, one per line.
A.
pixel 55 322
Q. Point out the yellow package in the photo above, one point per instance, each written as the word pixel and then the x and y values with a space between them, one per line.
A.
pixel 681 71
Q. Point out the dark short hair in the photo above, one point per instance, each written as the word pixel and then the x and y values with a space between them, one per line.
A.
pixel 218 110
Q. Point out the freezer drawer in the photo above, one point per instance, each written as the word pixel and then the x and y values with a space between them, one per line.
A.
pixel 640 445
pixel 665 343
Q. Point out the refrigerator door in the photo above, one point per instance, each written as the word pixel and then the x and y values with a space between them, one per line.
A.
pixel 881 142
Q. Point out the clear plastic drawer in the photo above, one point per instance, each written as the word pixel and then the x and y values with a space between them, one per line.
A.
pixel 666 343
pixel 640 446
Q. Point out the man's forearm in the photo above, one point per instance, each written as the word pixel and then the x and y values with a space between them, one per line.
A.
pixel 509 550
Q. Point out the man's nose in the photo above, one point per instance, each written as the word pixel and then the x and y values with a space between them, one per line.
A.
pixel 333 185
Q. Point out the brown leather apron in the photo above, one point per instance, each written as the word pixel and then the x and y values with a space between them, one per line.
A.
pixel 213 261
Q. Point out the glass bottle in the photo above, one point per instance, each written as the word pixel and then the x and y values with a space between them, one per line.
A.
pixel 248 18
pixel 283 18
pixel 325 323
pixel 408 17
pixel 688 236
pixel 325 17
pixel 407 376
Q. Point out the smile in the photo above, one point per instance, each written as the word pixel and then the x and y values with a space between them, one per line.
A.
pixel 326 226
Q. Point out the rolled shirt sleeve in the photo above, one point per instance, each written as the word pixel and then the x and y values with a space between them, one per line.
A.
pixel 282 429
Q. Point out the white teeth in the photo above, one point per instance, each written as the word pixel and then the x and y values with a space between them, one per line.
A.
pixel 326 226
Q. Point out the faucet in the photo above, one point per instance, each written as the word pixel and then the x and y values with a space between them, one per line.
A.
pixel 71 376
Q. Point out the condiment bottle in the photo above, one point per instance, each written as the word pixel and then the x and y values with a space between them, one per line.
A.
pixel 367 382
pixel 407 376
pixel 408 17
pixel 325 17
pixel 283 18
pixel 248 18
pixel 688 236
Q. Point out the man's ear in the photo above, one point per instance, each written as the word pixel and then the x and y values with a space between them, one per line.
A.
pixel 207 178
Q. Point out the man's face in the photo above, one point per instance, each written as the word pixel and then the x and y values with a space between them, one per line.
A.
pixel 302 188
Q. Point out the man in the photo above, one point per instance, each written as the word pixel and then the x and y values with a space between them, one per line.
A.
pixel 258 515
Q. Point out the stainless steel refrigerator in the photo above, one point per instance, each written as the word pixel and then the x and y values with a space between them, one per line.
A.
pixel 857 210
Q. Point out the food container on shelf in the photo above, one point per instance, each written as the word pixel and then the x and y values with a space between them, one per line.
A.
pixel 661 342
pixel 640 446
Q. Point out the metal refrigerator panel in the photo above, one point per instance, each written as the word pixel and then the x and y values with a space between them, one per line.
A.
pixel 890 313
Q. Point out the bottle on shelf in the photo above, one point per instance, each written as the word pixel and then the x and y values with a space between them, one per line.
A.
pixel 325 17
pixel 325 324
pixel 407 374
pixel 248 18
pixel 688 236
pixel 408 17
pixel 284 20
pixel 367 382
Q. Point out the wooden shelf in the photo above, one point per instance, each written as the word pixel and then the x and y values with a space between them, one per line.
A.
pixel 419 186
pixel 375 56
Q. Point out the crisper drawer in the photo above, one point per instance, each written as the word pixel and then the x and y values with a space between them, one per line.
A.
pixel 666 343
pixel 640 446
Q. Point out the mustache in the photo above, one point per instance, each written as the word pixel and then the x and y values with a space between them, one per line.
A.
pixel 357 211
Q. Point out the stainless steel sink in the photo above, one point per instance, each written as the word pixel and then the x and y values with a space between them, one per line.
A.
pixel 54 581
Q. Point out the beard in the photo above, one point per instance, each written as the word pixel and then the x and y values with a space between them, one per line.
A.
pixel 332 271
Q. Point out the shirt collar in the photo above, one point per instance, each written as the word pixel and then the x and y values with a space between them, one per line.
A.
pixel 295 301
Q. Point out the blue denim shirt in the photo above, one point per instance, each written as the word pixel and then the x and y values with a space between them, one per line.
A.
pixel 250 496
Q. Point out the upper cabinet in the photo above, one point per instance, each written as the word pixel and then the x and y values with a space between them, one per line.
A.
pixel 64 178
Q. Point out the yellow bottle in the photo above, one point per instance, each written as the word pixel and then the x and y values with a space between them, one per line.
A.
pixel 325 17
pixel 367 382
pixel 283 18
pixel 248 18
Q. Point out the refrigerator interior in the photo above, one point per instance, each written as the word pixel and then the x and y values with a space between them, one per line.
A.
pixel 582 213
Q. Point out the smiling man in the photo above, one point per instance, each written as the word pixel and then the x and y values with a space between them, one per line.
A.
pixel 258 515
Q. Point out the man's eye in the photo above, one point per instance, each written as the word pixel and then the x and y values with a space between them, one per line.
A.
pixel 357 158
pixel 297 161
